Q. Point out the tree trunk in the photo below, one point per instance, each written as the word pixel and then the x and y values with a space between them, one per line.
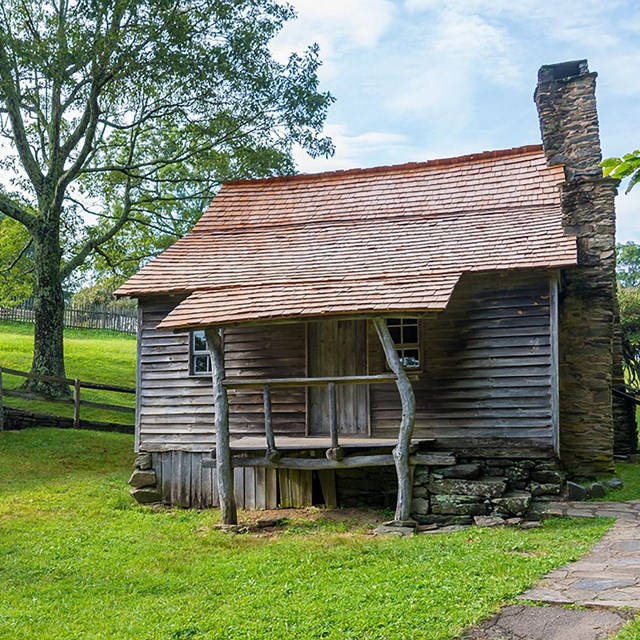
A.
pixel 48 344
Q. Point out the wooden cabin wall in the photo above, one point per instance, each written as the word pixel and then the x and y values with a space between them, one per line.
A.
pixel 176 409
pixel 486 365
pixel 270 351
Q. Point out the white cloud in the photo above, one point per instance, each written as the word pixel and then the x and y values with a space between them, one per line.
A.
pixel 336 25
pixel 355 150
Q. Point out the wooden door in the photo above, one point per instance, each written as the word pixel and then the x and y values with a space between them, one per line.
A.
pixel 338 348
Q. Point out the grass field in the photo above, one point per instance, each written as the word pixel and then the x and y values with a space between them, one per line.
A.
pixel 81 560
pixel 106 357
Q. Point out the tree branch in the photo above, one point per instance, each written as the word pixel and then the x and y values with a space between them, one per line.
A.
pixel 15 211
pixel 17 258
pixel 11 91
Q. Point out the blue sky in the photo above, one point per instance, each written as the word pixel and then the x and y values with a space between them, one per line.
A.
pixel 422 79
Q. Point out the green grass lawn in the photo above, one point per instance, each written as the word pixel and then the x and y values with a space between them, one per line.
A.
pixel 630 476
pixel 81 560
pixel 106 357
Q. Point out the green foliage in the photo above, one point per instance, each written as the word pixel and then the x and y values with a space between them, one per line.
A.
pixel 81 560
pixel 629 300
pixel 106 357
pixel 100 294
pixel 620 168
pixel 16 262
pixel 628 264
pixel 121 117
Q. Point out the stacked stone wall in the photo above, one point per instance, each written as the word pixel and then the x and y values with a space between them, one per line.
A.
pixel 480 486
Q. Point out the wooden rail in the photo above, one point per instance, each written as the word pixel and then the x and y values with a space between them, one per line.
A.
pixel 75 400
pixel 335 452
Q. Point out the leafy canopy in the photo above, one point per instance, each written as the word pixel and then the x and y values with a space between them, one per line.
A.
pixel 118 118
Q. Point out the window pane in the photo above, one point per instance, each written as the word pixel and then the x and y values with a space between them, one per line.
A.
pixel 393 322
pixel 410 334
pixel 201 364
pixel 199 341
pixel 411 359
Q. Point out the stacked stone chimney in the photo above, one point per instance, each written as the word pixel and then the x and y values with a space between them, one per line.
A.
pixel 565 97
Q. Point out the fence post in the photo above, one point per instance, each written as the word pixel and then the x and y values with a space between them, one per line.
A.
pixel 1 404
pixel 76 404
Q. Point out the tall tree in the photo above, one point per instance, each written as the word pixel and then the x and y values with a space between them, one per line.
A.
pixel 628 264
pixel 121 115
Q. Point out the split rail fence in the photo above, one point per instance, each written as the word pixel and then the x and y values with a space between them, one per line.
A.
pixel 75 385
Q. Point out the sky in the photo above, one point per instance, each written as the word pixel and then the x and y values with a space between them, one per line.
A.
pixel 421 79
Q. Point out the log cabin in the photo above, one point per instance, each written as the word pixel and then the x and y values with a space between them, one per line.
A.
pixel 450 321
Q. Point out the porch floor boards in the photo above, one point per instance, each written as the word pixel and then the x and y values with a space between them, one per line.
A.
pixel 313 443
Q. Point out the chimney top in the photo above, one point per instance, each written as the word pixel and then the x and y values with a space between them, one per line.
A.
pixel 563 70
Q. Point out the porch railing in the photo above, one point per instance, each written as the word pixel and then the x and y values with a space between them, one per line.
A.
pixel 335 452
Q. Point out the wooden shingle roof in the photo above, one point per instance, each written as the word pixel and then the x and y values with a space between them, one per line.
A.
pixel 382 240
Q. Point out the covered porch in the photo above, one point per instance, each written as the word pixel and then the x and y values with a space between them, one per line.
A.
pixel 306 453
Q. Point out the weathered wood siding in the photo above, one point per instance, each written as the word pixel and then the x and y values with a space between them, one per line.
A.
pixel 275 351
pixel 184 482
pixel 175 409
pixel 486 365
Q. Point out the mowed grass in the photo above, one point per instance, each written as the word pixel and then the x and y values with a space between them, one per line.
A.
pixel 81 560
pixel 106 357
pixel 630 476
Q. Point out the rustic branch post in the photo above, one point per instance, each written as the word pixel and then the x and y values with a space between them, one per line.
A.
pixel 335 452
pixel 272 453
pixel 401 451
pixel 224 471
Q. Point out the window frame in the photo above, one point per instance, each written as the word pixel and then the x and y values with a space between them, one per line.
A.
pixel 195 353
pixel 401 346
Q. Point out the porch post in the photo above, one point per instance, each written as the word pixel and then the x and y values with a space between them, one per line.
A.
pixel 224 472
pixel 401 451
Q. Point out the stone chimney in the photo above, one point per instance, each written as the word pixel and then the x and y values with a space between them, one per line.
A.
pixel 565 97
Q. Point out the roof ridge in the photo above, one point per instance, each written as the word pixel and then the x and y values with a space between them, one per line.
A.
pixel 437 162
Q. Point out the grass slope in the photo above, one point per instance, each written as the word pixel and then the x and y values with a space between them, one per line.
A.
pixel 106 357
pixel 81 560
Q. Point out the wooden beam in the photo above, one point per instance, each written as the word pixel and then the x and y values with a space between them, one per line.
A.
pixel 401 452
pixel 243 383
pixel 349 462
pixel 224 471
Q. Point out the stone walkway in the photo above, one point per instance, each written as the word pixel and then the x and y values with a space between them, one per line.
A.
pixel 609 576
pixel 607 581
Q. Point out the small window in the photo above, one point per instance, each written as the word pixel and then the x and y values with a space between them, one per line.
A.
pixel 199 354
pixel 406 336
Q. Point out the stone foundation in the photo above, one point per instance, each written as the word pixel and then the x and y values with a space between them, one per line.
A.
pixel 144 481
pixel 474 486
